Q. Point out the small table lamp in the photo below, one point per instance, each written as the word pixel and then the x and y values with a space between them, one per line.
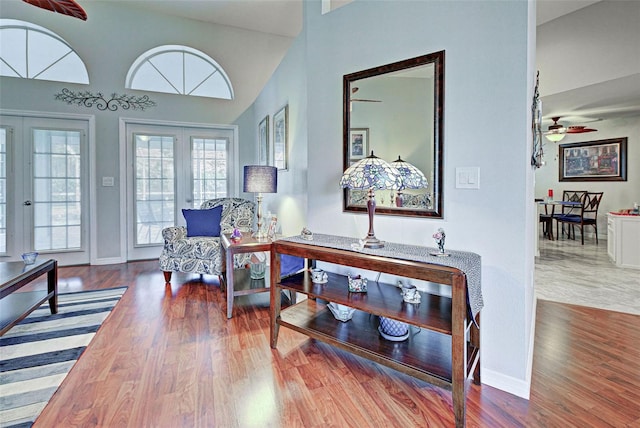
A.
pixel 371 173
pixel 412 178
pixel 260 179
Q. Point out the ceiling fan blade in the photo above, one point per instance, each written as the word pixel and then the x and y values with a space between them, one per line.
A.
pixel 65 7
pixel 579 129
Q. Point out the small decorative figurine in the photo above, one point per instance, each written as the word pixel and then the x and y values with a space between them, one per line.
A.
pixel 271 232
pixel 306 234
pixel 410 293
pixel 439 236
pixel 236 235
pixel 357 284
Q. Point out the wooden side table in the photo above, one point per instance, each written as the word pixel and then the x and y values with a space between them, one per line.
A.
pixel 247 244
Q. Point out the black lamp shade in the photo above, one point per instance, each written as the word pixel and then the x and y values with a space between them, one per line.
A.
pixel 260 179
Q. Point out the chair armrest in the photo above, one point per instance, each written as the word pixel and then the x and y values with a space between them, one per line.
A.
pixel 171 234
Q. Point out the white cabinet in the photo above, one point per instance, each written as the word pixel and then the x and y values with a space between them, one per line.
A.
pixel 623 236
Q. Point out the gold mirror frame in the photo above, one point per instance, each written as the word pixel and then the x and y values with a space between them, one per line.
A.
pixel 352 94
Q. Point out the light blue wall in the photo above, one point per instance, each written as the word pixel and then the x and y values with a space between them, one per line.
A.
pixel 288 86
pixel 488 75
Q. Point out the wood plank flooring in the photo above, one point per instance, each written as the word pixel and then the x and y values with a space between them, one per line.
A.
pixel 168 357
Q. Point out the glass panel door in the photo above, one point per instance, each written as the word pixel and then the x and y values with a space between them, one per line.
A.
pixel 155 189
pixel 57 191
pixel 44 182
pixel 209 168
pixel 171 168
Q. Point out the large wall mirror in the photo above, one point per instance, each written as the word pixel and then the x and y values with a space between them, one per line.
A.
pixel 396 110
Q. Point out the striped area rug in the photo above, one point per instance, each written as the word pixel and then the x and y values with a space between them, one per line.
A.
pixel 37 354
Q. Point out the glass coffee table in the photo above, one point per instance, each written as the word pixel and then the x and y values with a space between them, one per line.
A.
pixel 16 305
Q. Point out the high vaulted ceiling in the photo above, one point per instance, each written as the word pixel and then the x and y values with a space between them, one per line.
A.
pixel 284 17
pixel 280 17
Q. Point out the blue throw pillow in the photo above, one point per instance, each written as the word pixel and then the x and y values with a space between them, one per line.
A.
pixel 203 222
pixel 290 265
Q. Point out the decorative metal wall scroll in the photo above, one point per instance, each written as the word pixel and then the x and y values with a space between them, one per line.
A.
pixel 536 129
pixel 88 99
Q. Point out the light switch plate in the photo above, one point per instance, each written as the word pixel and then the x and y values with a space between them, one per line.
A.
pixel 468 177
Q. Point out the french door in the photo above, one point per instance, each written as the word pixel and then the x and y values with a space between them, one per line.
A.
pixel 171 168
pixel 44 182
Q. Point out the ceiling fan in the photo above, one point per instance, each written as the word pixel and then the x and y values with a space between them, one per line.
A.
pixel 557 132
pixel 362 100
pixel 65 7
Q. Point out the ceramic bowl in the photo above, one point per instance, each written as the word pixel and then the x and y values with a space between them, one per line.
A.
pixel 341 312
pixel 29 258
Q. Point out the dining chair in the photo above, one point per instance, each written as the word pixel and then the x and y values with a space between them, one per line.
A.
pixel 547 218
pixel 568 196
pixel 587 215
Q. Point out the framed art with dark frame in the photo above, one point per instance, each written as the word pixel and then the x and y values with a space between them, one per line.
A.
pixel 358 143
pixel 602 160
pixel 280 138
pixel 263 141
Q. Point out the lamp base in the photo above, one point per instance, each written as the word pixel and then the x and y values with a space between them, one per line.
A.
pixel 260 236
pixel 372 242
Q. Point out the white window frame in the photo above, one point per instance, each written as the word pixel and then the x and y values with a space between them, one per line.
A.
pixel 15 24
pixel 149 55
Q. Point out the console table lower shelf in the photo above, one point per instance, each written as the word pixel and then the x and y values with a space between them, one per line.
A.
pixel 426 355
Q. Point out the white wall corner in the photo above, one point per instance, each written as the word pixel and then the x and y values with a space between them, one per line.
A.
pixel 515 386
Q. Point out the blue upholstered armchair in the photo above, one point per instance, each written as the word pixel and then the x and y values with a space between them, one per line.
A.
pixel 202 254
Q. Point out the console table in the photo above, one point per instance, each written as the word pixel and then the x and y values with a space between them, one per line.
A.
pixel 16 306
pixel 442 354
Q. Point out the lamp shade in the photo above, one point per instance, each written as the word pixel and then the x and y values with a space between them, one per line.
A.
pixel 371 173
pixel 412 177
pixel 260 179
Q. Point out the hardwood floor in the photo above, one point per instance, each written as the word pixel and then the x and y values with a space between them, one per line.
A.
pixel 168 357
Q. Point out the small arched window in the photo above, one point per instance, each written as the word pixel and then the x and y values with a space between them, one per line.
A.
pixel 179 70
pixel 29 51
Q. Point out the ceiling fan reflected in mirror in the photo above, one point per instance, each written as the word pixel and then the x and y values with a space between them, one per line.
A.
pixel 65 7
pixel 557 131
pixel 362 100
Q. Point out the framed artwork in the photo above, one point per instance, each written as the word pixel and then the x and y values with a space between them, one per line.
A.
pixel 280 138
pixel 358 143
pixel 602 160
pixel 263 141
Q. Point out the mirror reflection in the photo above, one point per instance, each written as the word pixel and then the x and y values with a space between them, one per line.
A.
pixel 395 111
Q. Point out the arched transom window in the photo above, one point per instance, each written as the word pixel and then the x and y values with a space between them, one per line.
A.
pixel 33 52
pixel 179 70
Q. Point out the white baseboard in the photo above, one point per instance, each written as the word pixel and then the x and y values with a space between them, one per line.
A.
pixel 108 261
pixel 505 383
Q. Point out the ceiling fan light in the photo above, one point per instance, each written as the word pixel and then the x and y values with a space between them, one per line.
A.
pixel 554 136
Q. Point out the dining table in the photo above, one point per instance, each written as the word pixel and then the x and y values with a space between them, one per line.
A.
pixel 553 204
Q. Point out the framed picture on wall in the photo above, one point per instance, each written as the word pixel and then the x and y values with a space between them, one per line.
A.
pixel 358 143
pixel 263 141
pixel 602 160
pixel 280 138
